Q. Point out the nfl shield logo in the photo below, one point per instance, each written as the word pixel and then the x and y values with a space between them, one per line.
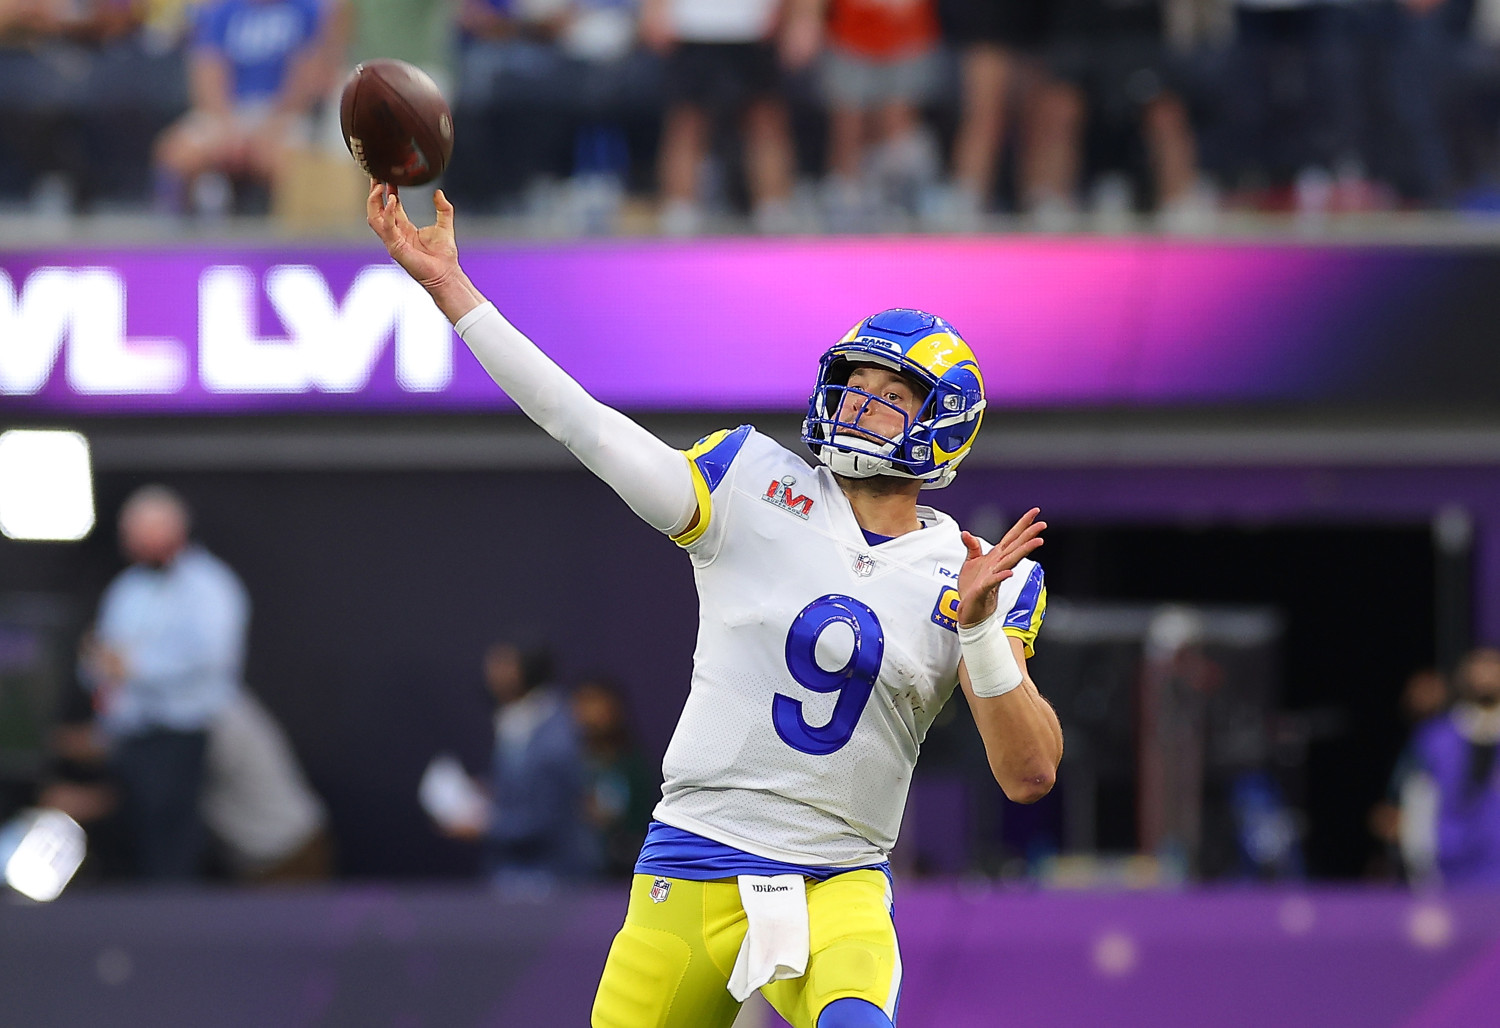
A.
pixel 863 565
pixel 659 890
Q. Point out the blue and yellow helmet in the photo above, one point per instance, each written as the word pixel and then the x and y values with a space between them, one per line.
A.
pixel 930 352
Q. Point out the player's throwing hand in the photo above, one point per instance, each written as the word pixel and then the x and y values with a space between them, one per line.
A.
pixel 982 573
pixel 429 255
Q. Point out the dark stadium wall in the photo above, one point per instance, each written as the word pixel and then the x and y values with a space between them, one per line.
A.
pixel 375 594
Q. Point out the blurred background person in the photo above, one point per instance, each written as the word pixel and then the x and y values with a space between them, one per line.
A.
pixel 722 66
pixel 560 108
pixel 622 789
pixel 269 824
pixel 420 32
pixel 47 52
pixel 616 99
pixel 1456 817
pixel 880 66
pixel 1109 83
pixel 1301 102
pixel 1411 46
pixel 513 99
pixel 1424 696
pixel 257 70
pixel 78 783
pixel 165 660
pixel 535 831
pixel 997 42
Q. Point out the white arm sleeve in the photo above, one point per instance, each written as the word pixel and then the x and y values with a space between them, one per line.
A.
pixel 649 475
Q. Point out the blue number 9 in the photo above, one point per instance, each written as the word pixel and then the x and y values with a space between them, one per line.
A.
pixel 853 682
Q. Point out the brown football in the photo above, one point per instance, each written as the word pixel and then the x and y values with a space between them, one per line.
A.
pixel 396 122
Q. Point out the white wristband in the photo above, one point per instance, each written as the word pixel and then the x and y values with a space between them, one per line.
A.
pixel 991 662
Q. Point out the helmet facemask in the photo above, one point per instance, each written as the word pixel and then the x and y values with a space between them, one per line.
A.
pixel 931 441
pixel 853 449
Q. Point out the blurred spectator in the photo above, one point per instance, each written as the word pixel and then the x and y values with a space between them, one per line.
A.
pixel 1451 806
pixel 92 21
pixel 513 97
pixel 1412 47
pixel 881 65
pixel 167 22
pixel 1109 63
pixel 552 90
pixel 78 783
pixel 257 70
pixel 270 825
pixel 535 832
pixel 164 662
pixel 997 41
pixel 46 54
pixel 622 790
pixel 419 32
pixel 722 64
pixel 1301 100
pixel 1423 697
pixel 617 107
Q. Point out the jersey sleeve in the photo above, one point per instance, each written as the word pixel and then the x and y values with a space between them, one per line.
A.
pixel 709 462
pixel 1029 608
pixel 647 473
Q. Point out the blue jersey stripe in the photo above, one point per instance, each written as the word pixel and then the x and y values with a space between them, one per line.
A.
pixel 715 463
pixel 674 853
pixel 1025 605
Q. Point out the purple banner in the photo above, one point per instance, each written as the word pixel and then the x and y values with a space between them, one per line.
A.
pixel 710 325
pixel 971 955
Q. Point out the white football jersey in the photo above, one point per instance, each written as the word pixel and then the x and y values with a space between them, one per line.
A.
pixel 821 660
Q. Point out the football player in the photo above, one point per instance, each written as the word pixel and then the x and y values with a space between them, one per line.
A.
pixel 837 616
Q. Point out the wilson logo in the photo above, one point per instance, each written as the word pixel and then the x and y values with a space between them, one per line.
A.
pixel 780 493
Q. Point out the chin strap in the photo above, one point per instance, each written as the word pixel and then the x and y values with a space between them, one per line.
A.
pixel 855 465
pixel 859 463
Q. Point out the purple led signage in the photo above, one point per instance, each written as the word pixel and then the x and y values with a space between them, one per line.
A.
pixel 704 325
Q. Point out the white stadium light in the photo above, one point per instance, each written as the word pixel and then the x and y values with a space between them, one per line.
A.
pixel 40 850
pixel 46 485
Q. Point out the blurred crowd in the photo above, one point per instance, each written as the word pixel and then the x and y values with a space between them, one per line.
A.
pixel 174 767
pixel 799 115
pixel 178 772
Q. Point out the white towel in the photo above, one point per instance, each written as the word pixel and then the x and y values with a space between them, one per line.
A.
pixel 776 939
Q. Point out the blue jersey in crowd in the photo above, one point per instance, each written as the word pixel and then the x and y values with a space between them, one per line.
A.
pixel 259 38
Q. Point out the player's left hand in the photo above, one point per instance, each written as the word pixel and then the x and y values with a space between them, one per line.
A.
pixel 980 577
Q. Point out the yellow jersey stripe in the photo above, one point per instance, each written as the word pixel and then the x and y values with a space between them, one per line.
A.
pixel 1027 635
pixel 705 506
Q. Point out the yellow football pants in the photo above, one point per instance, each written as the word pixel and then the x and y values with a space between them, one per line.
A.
pixel 670 964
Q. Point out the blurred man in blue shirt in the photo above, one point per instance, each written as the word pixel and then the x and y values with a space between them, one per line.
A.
pixel 165 660
pixel 257 70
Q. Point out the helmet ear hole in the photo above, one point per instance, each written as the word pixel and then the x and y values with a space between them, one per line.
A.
pixel 954 440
